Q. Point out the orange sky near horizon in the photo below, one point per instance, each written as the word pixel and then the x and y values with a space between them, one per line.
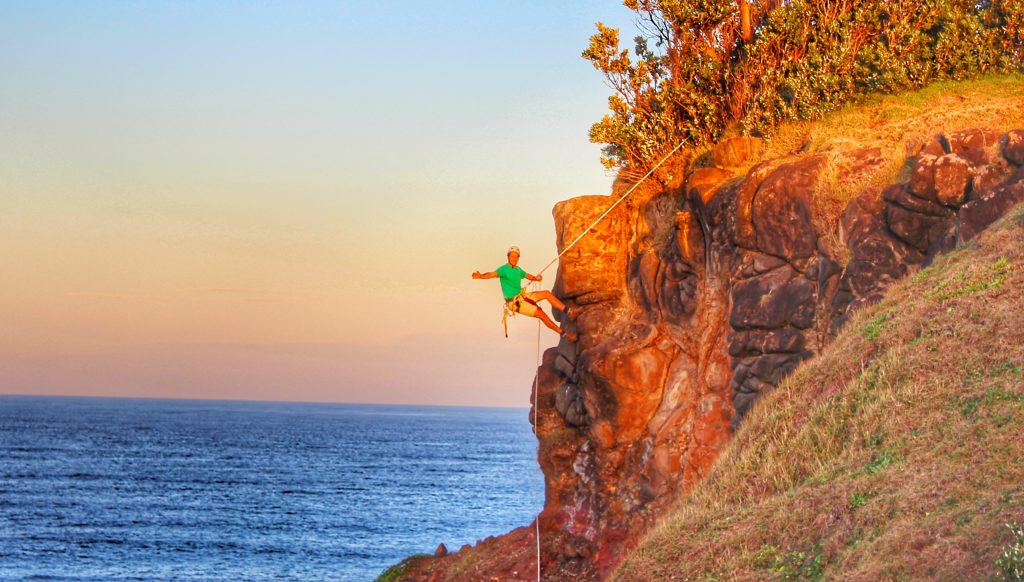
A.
pixel 243 219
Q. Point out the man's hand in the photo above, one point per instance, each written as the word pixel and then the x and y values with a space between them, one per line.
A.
pixel 476 274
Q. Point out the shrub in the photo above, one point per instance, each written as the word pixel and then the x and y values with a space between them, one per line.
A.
pixel 1011 560
pixel 691 75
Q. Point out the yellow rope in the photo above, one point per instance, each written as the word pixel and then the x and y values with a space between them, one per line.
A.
pixel 612 207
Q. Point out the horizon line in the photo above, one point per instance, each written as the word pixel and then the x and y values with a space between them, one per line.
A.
pixel 260 400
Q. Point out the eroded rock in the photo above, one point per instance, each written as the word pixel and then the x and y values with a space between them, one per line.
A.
pixel 1012 147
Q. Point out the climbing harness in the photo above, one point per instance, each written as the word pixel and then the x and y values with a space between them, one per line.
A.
pixel 504 319
pixel 515 305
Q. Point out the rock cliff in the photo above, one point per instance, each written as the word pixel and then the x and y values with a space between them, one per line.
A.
pixel 709 293
pixel 699 295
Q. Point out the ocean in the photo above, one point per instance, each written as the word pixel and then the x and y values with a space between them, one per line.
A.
pixel 143 489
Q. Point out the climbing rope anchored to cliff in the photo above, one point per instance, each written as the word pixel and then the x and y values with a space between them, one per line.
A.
pixel 511 275
pixel 612 207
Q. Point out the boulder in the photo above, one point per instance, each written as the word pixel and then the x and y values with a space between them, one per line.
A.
pixel 899 195
pixel 592 266
pixel 952 175
pixel 969 139
pixel 989 177
pixel 1011 146
pixel 935 145
pixel 690 238
pixel 922 180
pixel 781 213
pixel 976 215
pixel 755 342
pixel 742 215
pixel 704 182
pixel 772 300
pixel 915 221
pixel 877 256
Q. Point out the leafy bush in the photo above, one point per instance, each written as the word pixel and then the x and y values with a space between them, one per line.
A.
pixel 692 76
pixel 1011 560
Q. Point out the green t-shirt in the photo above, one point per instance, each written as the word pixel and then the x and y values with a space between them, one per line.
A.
pixel 511 280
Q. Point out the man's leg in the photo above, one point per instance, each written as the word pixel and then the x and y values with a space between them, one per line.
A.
pixel 531 310
pixel 547 321
pixel 554 301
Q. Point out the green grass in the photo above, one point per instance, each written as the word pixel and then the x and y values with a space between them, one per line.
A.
pixel 973 279
pixel 397 572
pixel 873 330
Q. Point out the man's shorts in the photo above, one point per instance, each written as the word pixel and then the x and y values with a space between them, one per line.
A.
pixel 525 303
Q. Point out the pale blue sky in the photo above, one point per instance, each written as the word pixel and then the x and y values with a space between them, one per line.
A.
pixel 284 199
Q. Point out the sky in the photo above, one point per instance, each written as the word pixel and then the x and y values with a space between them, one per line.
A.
pixel 285 200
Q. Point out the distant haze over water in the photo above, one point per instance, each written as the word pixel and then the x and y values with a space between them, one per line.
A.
pixel 124 489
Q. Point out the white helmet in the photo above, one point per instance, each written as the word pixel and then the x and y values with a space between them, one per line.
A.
pixel 513 249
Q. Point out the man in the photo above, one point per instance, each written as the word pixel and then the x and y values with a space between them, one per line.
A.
pixel 518 300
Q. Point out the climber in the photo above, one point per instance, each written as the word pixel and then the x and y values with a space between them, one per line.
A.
pixel 519 300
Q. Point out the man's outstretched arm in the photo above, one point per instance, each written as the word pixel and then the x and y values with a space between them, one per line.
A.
pixel 489 275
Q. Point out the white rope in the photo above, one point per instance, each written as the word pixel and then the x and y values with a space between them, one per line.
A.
pixel 612 207
pixel 536 405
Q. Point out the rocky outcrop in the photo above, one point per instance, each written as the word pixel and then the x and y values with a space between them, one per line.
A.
pixel 700 299
pixel 701 296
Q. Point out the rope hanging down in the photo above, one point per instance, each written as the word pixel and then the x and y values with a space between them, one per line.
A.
pixel 612 207
pixel 536 403
pixel 536 377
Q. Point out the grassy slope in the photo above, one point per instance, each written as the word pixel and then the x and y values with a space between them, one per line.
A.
pixel 897 454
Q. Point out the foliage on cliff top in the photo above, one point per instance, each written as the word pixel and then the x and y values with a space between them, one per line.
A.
pixel 692 76
pixel 894 455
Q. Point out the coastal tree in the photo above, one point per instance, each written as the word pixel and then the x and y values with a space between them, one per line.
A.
pixel 700 68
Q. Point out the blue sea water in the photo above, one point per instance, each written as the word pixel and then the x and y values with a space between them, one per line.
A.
pixel 140 489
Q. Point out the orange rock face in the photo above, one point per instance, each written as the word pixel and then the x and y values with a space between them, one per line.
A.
pixel 650 373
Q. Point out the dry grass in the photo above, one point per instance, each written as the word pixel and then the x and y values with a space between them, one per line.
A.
pixel 895 455
pixel 892 121
pixel 836 187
